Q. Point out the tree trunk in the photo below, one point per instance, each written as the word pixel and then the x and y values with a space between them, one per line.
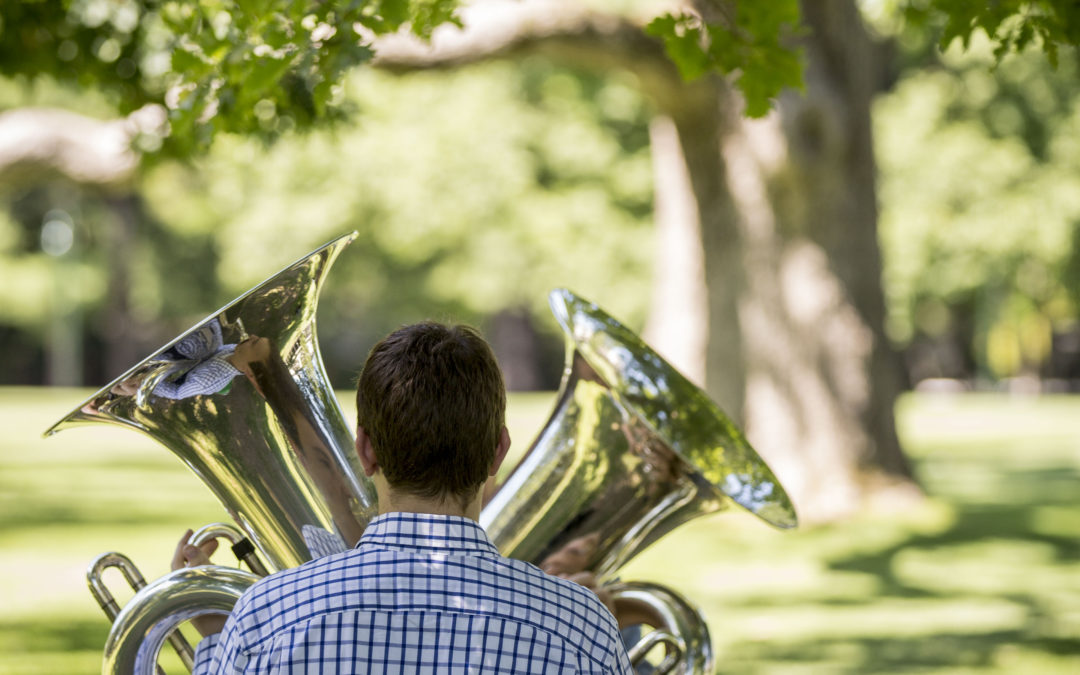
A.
pixel 677 327
pixel 821 377
pixel 118 329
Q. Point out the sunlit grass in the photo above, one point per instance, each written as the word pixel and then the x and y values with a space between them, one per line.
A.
pixel 984 577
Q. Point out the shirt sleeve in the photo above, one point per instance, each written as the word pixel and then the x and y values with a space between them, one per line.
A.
pixel 220 653
pixel 204 654
pixel 622 662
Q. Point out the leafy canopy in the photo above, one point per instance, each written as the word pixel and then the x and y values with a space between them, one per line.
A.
pixel 751 41
pixel 980 215
pixel 1011 25
pixel 257 67
pixel 263 67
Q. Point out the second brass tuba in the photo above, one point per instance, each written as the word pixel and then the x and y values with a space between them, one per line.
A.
pixel 631 451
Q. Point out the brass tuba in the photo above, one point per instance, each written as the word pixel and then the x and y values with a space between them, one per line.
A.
pixel 630 451
pixel 243 400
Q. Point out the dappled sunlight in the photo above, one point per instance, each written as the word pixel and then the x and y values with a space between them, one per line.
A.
pixel 985 568
pixel 981 577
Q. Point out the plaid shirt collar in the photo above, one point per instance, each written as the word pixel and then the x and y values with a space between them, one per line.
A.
pixel 430 533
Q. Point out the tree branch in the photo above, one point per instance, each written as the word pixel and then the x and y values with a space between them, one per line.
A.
pixel 41 143
pixel 563 31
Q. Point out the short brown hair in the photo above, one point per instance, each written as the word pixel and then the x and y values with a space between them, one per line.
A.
pixel 431 399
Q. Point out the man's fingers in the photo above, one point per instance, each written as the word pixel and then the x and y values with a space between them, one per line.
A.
pixel 178 554
pixel 552 567
pixel 209 546
pixel 187 555
pixel 194 556
pixel 586 579
pixel 572 557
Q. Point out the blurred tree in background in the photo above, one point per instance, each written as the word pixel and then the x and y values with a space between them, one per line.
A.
pixel 980 209
pixel 461 216
pixel 537 144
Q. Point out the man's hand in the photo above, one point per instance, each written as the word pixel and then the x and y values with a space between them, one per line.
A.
pixel 569 563
pixel 253 349
pixel 588 580
pixel 187 555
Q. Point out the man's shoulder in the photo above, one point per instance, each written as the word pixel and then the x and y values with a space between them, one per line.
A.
pixel 272 588
pixel 585 621
pixel 572 606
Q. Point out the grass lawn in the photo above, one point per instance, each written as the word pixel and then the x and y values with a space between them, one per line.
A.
pixel 984 577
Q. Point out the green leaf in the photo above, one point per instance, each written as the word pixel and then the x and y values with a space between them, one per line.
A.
pixel 751 50
pixel 263 74
pixel 682 38
pixel 188 61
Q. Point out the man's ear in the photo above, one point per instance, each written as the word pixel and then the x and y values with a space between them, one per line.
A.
pixel 500 450
pixel 366 452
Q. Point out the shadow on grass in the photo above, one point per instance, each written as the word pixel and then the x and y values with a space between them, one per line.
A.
pixel 902 655
pixel 991 553
pixel 974 524
pixel 1012 546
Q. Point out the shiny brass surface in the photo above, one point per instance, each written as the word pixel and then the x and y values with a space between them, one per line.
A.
pixel 243 400
pixel 234 537
pixel 135 579
pixel 680 627
pixel 631 451
pixel 158 609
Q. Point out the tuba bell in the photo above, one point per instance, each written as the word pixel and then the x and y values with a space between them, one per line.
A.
pixel 242 399
pixel 630 451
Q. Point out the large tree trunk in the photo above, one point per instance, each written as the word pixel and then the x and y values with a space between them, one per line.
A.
pixel 821 377
pixel 785 208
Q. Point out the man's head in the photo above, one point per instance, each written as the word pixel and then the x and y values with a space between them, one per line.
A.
pixel 432 403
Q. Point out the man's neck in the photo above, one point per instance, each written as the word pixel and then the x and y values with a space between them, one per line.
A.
pixel 391 501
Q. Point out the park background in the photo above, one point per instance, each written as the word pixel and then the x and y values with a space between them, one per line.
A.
pixel 946 293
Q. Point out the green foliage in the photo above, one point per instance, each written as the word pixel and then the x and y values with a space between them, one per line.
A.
pixel 752 45
pixel 264 67
pixel 89 43
pixel 1011 25
pixel 980 206
pixel 256 67
pixel 529 177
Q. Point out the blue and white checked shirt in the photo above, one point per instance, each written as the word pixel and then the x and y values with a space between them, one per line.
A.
pixel 419 594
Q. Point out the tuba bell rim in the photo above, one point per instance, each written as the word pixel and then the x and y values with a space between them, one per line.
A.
pixel 697 430
pixel 147 367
